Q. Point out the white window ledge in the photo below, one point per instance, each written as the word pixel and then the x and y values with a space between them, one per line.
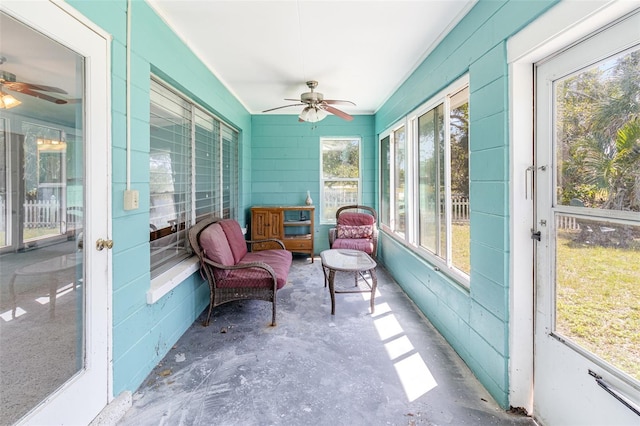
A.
pixel 164 283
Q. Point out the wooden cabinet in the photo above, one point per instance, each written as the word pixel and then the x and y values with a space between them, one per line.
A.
pixel 294 225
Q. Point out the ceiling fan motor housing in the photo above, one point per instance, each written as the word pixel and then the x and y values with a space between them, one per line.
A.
pixel 311 97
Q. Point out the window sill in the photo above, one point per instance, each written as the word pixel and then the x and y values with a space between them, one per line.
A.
pixel 164 283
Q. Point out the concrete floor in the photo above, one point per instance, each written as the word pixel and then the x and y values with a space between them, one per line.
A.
pixel 39 346
pixel 389 368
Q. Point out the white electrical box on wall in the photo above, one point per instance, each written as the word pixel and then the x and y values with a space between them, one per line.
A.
pixel 131 199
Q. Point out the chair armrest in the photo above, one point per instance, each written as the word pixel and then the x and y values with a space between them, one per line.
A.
pixel 239 265
pixel 273 240
pixel 332 236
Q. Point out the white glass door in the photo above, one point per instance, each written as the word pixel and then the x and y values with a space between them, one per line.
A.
pixel 587 327
pixel 54 286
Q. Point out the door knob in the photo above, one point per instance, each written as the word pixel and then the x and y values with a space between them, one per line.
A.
pixel 101 244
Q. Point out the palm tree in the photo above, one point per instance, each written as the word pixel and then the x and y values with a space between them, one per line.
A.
pixel 615 171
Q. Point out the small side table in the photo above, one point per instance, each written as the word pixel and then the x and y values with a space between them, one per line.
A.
pixel 55 268
pixel 334 260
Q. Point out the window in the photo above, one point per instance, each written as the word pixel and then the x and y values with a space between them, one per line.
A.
pixel 340 175
pixel 429 163
pixel 385 180
pixel 393 176
pixel 193 166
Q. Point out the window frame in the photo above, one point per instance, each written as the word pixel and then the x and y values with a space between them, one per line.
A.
pixel 225 202
pixel 358 181
pixel 391 214
pixel 411 238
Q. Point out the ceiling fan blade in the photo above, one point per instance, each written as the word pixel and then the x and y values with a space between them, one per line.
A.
pixel 39 95
pixel 337 112
pixel 280 107
pixel 293 100
pixel 338 102
pixel 19 86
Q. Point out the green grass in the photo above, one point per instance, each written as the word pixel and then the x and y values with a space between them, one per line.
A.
pixel 460 250
pixel 31 234
pixel 598 300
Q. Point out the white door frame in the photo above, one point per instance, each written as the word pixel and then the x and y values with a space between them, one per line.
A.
pixel 81 398
pixel 562 25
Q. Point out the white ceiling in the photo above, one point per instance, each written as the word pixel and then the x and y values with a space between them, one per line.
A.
pixel 264 51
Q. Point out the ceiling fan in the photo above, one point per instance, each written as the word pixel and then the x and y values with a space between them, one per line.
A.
pixel 8 82
pixel 315 106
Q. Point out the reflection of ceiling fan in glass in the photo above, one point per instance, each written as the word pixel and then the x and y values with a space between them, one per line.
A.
pixel 315 106
pixel 8 82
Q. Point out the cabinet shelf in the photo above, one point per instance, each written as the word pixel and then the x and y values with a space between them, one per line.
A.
pixel 288 224
pixel 297 236
pixel 297 223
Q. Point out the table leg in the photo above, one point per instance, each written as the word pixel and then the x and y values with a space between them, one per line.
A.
pixel 374 285
pixel 12 292
pixel 332 290
pixel 53 293
pixel 324 271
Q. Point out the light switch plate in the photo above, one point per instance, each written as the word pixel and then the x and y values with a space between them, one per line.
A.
pixel 131 199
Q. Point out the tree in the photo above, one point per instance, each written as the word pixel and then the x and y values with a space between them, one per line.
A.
pixel 342 160
pixel 460 150
pixel 598 135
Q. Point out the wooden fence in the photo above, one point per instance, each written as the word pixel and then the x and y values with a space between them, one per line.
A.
pixel 459 209
pixel 41 214
pixel 45 214
pixel 567 222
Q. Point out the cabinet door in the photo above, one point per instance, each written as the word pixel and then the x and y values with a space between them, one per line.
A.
pixel 259 224
pixel 275 222
pixel 266 224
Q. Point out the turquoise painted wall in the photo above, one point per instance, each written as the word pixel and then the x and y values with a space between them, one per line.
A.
pixel 285 161
pixel 280 162
pixel 142 333
pixel 475 321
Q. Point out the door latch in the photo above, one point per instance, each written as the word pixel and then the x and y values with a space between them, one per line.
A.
pixel 535 235
pixel 102 244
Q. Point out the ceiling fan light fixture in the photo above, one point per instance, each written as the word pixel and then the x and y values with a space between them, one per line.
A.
pixel 312 114
pixel 7 101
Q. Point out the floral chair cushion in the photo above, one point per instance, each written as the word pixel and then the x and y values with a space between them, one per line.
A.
pixel 357 232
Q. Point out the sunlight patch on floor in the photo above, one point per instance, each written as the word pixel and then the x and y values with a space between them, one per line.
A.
pixel 415 376
pixel 8 316
pixel 43 300
pixel 398 347
pixel 388 327
pixel 411 369
pixel 61 292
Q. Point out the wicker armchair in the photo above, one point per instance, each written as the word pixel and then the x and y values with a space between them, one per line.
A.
pixel 356 228
pixel 232 271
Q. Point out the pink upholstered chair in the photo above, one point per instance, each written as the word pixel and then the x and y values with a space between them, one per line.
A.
pixel 356 229
pixel 233 271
